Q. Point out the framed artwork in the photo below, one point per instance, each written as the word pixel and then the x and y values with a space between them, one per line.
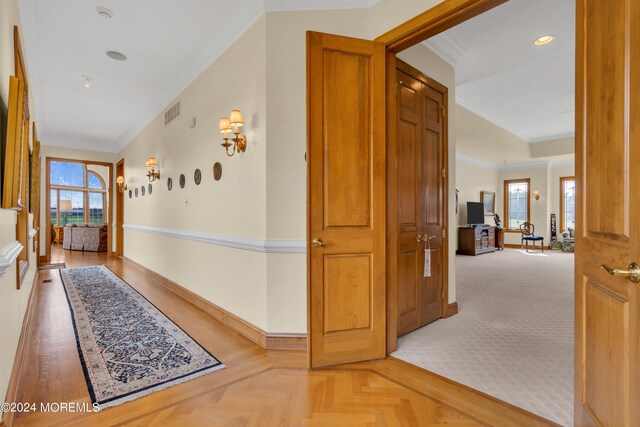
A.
pixel 488 199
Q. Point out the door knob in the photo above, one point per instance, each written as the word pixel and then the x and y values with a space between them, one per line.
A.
pixel 318 243
pixel 632 273
pixel 418 238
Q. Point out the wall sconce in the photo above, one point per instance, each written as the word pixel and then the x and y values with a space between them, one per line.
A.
pixel 536 194
pixel 122 187
pixel 231 124
pixel 152 173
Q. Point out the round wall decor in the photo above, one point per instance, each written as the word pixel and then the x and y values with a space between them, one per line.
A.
pixel 142 190
pixel 136 191
pixel 130 193
pixel 169 184
pixel 150 188
pixel 217 171
pixel 197 176
pixel 183 180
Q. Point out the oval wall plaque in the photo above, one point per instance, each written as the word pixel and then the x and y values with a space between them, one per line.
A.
pixel 150 189
pixel 142 190
pixel 136 191
pixel 197 176
pixel 130 193
pixel 183 180
pixel 217 171
pixel 169 184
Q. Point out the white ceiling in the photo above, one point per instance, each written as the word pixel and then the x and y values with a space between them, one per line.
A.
pixel 500 74
pixel 168 44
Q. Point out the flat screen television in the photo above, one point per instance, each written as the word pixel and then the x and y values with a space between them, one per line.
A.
pixel 475 213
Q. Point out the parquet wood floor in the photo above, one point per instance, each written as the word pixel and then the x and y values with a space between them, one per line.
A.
pixel 257 388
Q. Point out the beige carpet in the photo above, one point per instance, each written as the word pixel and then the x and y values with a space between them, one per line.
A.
pixel 513 336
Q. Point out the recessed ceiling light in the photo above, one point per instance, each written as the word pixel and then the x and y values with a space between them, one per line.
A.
pixel 104 12
pixel 547 38
pixel 116 55
pixel 87 81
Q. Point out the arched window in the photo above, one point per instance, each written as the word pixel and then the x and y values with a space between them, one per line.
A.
pixel 77 194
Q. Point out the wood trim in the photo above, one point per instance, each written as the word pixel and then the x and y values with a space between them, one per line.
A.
pixel 434 21
pixel 506 202
pixel 119 198
pixel 18 361
pixel 452 310
pixel 268 341
pixel 563 179
pixel 109 202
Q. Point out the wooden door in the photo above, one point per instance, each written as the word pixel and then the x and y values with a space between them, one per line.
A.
pixel 607 339
pixel 421 197
pixel 119 212
pixel 346 199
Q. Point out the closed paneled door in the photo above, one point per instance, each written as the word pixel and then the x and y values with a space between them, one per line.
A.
pixel 421 192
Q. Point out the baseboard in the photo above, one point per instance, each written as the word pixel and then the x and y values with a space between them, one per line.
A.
pixel 43 259
pixel 452 310
pixel 516 246
pixel 18 362
pixel 268 341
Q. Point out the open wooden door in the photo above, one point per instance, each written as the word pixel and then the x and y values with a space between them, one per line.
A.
pixel 607 351
pixel 346 199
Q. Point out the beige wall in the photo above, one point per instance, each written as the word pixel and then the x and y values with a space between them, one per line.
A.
pixel 470 181
pixel 235 206
pixel 263 193
pixel 13 302
pixel 75 154
pixel 422 58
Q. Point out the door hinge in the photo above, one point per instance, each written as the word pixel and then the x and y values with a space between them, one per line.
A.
pixel 444 233
pixel 444 112
pixel 444 173
pixel 443 293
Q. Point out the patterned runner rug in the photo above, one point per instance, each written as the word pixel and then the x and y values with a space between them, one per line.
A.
pixel 127 347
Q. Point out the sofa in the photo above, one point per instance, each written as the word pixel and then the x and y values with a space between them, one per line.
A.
pixel 85 237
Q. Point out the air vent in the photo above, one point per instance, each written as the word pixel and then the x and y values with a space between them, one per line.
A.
pixel 172 113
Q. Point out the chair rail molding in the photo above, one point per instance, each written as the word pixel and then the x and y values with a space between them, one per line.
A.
pixel 237 242
pixel 8 255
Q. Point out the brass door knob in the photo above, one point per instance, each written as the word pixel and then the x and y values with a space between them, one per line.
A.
pixel 632 273
pixel 317 243
pixel 418 238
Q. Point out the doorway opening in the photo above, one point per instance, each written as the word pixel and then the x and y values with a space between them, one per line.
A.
pixel 79 210
pixel 512 116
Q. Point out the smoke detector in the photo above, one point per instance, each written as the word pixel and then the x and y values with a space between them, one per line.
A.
pixel 104 12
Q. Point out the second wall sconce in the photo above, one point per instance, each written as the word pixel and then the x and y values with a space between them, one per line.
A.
pixel 122 187
pixel 232 124
pixel 152 173
pixel 536 194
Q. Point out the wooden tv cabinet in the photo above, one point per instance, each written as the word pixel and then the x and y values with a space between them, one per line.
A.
pixel 476 240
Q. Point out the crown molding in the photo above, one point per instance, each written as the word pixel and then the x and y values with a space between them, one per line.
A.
pixel 301 5
pixel 472 161
pixel 555 164
pixel 552 137
pixel 236 242
pixel 525 165
pixel 446 48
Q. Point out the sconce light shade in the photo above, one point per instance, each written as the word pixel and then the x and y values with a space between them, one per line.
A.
pixel 152 173
pixel 151 163
pixel 536 194
pixel 120 180
pixel 229 125
pixel 236 118
pixel 120 183
pixel 224 125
